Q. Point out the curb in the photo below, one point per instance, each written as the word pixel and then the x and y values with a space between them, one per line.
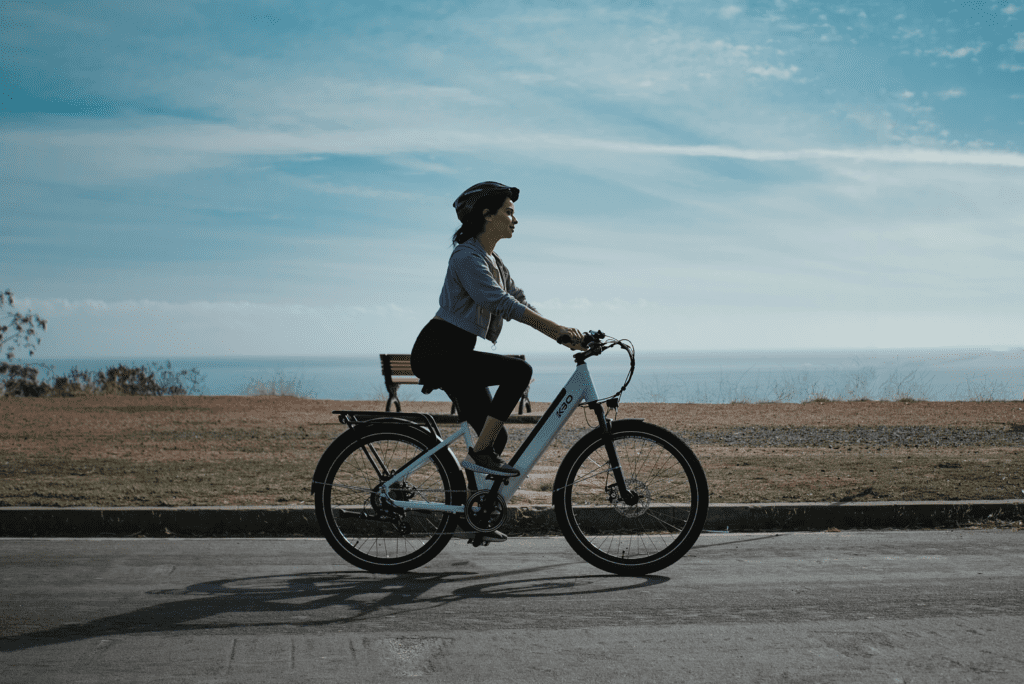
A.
pixel 289 521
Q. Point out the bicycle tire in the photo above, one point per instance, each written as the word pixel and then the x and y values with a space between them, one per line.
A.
pixel 366 531
pixel 650 535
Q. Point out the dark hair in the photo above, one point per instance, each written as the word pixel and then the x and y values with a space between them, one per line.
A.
pixel 474 223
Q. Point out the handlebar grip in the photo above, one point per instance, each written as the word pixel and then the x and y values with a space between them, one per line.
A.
pixel 588 338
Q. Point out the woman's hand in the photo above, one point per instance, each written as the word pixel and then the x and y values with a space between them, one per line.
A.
pixel 575 338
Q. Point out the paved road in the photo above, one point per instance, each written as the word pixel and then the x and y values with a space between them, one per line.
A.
pixel 935 606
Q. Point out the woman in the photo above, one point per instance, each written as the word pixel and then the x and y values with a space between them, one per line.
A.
pixel 478 295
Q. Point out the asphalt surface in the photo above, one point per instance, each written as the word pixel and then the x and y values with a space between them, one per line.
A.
pixel 857 606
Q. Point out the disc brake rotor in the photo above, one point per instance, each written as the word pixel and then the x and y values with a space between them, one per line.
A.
pixel 625 510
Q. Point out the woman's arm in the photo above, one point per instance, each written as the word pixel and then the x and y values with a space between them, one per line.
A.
pixel 552 329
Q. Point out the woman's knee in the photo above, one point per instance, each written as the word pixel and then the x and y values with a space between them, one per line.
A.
pixel 524 372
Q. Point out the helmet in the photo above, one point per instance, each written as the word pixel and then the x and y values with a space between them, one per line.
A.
pixel 468 199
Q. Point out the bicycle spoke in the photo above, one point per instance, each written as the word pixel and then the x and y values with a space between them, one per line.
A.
pixel 655 527
pixel 359 496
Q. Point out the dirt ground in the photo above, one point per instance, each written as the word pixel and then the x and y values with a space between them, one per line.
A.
pixel 146 451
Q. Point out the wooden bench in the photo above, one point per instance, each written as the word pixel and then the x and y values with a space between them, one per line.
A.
pixel 397 370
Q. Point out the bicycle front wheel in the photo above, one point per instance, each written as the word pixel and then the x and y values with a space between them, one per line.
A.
pixel 360 524
pixel 654 531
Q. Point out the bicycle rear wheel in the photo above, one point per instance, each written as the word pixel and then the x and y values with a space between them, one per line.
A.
pixel 360 525
pixel 654 532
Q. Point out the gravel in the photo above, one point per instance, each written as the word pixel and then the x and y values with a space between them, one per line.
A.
pixel 884 436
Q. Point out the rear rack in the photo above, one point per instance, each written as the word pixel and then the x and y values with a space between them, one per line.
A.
pixel 354 418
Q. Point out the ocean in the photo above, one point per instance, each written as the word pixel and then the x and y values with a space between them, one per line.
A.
pixel 700 377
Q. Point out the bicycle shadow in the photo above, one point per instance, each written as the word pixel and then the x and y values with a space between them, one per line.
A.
pixel 277 600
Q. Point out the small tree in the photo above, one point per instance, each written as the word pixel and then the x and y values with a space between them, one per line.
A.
pixel 23 325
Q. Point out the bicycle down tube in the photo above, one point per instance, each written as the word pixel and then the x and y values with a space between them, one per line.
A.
pixel 579 389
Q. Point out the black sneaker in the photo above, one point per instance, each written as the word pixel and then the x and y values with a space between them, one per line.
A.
pixel 486 461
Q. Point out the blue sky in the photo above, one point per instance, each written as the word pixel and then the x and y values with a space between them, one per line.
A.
pixel 227 178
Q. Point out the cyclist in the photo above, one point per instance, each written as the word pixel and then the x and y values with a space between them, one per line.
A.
pixel 477 297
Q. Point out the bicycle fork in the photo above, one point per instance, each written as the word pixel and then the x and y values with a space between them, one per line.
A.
pixel 628 496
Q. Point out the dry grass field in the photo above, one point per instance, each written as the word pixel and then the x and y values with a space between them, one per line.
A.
pixel 184 450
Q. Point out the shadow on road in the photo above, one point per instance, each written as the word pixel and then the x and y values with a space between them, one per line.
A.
pixel 294 599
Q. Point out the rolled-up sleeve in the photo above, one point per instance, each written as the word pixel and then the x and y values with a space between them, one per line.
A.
pixel 475 277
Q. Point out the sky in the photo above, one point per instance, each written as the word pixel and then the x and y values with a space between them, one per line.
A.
pixel 277 178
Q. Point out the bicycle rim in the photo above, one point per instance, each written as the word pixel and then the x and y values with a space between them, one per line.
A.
pixel 654 532
pixel 362 527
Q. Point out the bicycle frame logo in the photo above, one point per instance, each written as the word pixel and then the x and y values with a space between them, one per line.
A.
pixel 565 405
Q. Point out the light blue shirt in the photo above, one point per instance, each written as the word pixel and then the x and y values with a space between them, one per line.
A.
pixel 478 293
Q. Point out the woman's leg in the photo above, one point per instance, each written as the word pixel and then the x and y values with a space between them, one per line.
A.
pixel 482 370
pixel 474 405
pixel 443 356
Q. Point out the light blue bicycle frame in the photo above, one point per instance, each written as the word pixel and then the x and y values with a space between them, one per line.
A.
pixel 579 389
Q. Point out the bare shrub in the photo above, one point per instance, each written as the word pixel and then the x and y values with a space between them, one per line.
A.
pixel 655 391
pixel 907 386
pixel 278 386
pixel 19 329
pixel 152 380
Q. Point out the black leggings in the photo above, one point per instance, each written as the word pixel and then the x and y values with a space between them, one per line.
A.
pixel 443 357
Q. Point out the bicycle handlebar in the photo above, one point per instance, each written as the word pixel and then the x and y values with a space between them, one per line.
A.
pixel 596 342
pixel 589 338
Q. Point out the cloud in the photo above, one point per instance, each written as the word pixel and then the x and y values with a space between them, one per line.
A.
pixel 951 93
pixel 729 11
pixel 1011 67
pixel 90 155
pixel 962 52
pixel 1019 45
pixel 1011 9
pixel 890 155
pixel 774 72
pixel 356 190
pixel 584 305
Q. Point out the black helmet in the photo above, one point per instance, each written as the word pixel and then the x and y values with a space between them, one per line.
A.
pixel 468 199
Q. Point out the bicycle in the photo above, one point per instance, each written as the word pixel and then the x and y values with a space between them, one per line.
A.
pixel 631 498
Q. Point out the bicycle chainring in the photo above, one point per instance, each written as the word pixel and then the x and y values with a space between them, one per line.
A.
pixel 486 512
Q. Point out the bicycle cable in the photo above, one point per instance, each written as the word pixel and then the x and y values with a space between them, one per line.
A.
pixel 599 343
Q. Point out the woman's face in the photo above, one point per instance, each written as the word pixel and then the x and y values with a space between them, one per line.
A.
pixel 502 223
